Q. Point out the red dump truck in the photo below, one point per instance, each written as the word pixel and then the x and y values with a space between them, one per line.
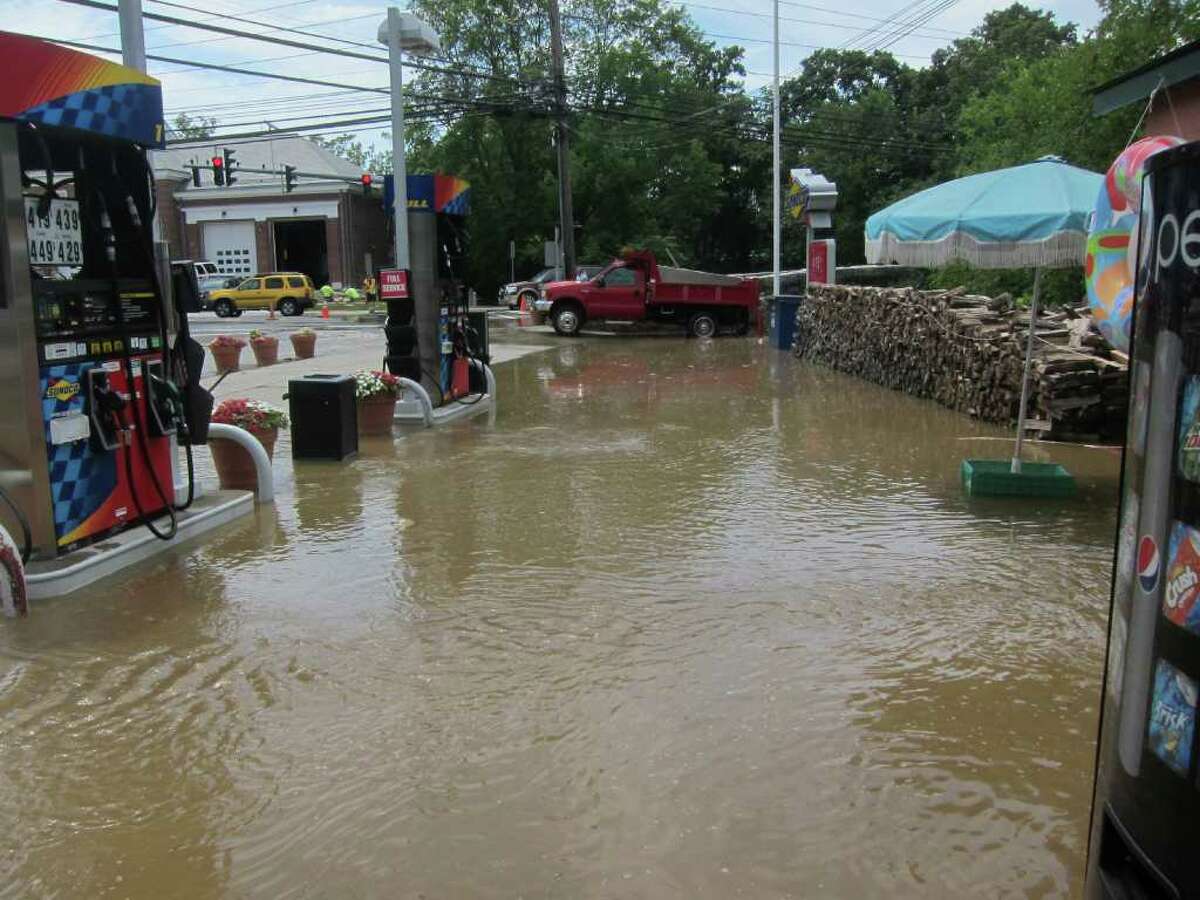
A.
pixel 636 289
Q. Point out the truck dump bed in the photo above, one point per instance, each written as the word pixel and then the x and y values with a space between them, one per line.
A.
pixel 669 275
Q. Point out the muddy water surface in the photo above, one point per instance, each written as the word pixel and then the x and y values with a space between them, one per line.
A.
pixel 691 619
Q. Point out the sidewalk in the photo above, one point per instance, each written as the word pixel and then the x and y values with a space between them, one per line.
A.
pixel 351 353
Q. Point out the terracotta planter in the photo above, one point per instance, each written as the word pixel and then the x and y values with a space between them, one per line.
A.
pixel 235 466
pixel 375 415
pixel 304 345
pixel 228 359
pixel 266 351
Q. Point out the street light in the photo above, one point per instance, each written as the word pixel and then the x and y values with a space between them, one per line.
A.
pixel 401 32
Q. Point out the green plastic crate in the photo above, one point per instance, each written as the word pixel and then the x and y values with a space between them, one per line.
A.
pixel 995 478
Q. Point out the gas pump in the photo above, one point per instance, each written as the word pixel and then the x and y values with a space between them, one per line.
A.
pixel 90 404
pixel 1147 799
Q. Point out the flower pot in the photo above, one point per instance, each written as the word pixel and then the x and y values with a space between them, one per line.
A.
pixel 375 415
pixel 228 359
pixel 305 345
pixel 235 465
pixel 266 351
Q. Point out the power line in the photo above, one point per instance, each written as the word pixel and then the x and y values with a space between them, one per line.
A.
pixel 219 68
pixel 288 42
pixel 208 13
pixel 840 12
pixel 746 12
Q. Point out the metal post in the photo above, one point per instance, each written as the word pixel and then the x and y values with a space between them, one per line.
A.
pixel 775 226
pixel 562 142
pixel 133 40
pixel 400 172
pixel 1033 312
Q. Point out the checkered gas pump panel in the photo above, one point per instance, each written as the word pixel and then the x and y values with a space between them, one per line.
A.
pixel 82 480
pixel 90 493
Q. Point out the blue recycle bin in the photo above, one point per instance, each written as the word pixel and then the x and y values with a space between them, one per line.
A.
pixel 783 320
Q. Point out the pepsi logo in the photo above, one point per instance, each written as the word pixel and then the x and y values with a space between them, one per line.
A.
pixel 1148 564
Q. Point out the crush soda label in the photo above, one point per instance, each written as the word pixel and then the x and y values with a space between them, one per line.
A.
pixel 1183 578
pixel 1172 717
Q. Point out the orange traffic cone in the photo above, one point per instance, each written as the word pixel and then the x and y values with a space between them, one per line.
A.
pixel 325 310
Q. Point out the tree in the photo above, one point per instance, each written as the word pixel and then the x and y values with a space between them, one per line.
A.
pixel 187 128
pixel 655 113
pixel 348 147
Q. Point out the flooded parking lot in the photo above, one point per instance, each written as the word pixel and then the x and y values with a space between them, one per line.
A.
pixel 690 619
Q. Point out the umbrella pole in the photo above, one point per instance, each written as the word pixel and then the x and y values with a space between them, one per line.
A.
pixel 1033 312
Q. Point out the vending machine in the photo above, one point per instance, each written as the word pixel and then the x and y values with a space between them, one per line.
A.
pixel 1147 801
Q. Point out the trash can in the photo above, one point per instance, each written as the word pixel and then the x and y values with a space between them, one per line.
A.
pixel 783 320
pixel 324 416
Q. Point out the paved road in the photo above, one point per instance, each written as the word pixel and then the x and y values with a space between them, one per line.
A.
pixel 207 323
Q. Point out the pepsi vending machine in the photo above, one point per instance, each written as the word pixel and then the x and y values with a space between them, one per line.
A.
pixel 1147 802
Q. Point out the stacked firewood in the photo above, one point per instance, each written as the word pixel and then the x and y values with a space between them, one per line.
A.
pixel 966 352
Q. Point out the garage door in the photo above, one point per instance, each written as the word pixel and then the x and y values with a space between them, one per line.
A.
pixel 231 246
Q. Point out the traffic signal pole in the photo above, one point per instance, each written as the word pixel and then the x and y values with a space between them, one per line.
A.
pixel 566 212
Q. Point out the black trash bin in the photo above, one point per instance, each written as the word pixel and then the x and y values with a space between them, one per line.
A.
pixel 324 417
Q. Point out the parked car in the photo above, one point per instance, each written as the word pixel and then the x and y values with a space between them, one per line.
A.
pixel 635 288
pixel 289 292
pixel 512 294
pixel 208 279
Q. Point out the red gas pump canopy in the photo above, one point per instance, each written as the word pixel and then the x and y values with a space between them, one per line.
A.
pixel 51 85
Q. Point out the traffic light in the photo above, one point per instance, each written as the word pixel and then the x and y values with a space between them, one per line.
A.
pixel 229 165
pixel 289 179
pixel 218 167
pixel 195 176
pixel 366 183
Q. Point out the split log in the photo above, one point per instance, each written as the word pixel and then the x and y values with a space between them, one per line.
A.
pixel 967 352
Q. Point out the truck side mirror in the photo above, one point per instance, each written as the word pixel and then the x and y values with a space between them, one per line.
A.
pixel 598 282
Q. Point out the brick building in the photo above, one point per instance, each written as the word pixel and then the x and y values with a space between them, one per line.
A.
pixel 1172 85
pixel 326 227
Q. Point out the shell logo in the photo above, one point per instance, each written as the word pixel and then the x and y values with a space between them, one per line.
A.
pixel 62 390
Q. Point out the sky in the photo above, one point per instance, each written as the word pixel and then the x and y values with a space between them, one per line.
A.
pixel 248 103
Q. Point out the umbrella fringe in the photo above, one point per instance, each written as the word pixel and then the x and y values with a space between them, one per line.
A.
pixel 1060 250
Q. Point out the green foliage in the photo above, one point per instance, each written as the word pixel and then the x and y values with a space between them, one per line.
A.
pixel 669 151
pixel 369 159
pixel 1060 287
pixel 192 128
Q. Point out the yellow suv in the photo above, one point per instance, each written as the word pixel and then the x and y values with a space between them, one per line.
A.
pixel 289 292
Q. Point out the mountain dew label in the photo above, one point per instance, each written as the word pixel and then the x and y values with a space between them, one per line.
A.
pixel 1189 431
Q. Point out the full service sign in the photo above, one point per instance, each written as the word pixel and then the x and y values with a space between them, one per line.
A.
pixel 55 239
pixel 393 284
pixel 822 261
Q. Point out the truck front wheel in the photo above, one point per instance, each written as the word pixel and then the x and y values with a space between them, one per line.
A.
pixel 567 319
pixel 702 325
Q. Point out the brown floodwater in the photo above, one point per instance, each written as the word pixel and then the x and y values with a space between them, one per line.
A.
pixel 689 619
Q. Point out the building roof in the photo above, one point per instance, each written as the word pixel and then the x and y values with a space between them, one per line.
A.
pixel 259 162
pixel 1132 87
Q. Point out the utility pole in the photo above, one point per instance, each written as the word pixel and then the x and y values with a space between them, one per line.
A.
pixel 775 225
pixel 133 39
pixel 399 170
pixel 566 213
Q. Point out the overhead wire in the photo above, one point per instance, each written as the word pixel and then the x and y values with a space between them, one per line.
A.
pixel 692 4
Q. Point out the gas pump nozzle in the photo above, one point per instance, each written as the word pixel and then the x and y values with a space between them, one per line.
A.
pixel 104 407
